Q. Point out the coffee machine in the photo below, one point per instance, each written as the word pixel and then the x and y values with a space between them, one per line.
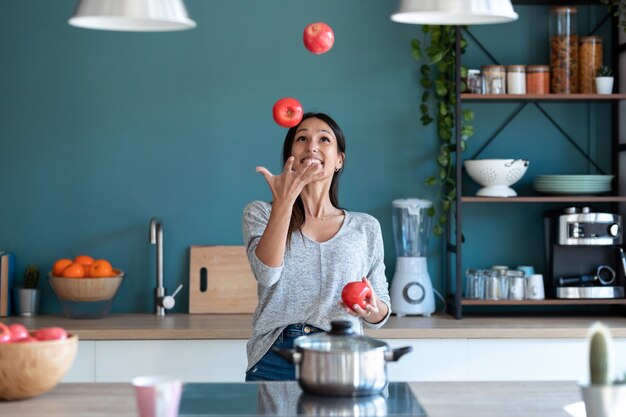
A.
pixel 584 253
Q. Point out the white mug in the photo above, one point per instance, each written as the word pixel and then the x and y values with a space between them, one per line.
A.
pixel 535 290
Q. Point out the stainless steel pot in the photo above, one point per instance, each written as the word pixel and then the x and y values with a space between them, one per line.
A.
pixel 341 363
pixel 370 406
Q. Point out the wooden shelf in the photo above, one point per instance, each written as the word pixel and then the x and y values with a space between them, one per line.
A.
pixel 546 199
pixel 542 97
pixel 546 302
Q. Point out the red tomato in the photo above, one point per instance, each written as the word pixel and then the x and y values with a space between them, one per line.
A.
pixel 5 333
pixel 287 112
pixel 51 333
pixel 18 332
pixel 318 38
pixel 356 292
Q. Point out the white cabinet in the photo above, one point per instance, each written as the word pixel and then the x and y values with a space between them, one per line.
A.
pixel 431 360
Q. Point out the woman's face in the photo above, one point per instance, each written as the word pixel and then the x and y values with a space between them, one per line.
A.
pixel 315 143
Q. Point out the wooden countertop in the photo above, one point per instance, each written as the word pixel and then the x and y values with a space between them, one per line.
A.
pixel 238 326
pixel 439 399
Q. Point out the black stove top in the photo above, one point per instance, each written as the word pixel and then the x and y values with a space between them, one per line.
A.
pixel 284 399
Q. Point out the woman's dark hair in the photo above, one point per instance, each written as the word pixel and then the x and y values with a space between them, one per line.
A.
pixel 297 214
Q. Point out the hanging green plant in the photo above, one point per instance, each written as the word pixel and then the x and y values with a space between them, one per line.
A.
pixel 438 81
pixel 618 8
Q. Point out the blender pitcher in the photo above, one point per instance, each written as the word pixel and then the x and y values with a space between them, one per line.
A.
pixel 411 287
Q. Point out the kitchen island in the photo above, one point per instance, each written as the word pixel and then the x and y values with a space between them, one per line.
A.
pixel 196 347
pixel 438 399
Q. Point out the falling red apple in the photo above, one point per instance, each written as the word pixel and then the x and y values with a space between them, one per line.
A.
pixel 287 112
pixel 318 37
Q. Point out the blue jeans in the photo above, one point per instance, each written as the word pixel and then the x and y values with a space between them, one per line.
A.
pixel 272 366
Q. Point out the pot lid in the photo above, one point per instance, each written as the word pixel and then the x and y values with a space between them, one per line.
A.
pixel 340 338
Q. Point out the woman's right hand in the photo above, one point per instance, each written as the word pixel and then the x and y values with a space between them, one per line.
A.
pixel 287 186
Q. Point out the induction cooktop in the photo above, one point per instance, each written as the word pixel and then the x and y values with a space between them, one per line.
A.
pixel 284 399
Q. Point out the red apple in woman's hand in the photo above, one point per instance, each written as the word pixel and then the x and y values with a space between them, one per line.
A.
pixel 356 292
pixel 287 112
pixel 318 38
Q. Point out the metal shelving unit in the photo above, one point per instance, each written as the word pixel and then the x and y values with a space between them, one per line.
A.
pixel 453 238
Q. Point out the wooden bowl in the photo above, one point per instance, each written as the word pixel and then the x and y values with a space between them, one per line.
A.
pixel 86 289
pixel 32 368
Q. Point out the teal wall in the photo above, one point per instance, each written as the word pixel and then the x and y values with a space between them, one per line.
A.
pixel 99 131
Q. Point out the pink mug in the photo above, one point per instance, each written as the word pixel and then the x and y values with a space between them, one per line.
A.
pixel 157 396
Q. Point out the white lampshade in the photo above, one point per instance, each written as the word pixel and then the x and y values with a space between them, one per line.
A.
pixel 132 15
pixel 454 12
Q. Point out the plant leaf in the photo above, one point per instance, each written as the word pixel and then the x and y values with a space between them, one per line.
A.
pixel 415 49
pixel 440 88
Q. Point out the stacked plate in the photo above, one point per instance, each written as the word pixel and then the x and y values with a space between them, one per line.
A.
pixel 572 184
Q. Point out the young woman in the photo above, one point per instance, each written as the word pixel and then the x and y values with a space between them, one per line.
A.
pixel 303 249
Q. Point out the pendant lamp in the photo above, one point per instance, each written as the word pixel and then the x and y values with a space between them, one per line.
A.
pixel 454 12
pixel 132 15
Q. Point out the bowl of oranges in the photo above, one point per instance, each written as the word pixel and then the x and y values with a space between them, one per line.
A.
pixel 85 286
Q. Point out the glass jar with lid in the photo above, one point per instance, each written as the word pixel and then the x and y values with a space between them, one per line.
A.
pixel 494 79
pixel 474 82
pixel 538 79
pixel 564 50
pixel 516 79
pixel 590 54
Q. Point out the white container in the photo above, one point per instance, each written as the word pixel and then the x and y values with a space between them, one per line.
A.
pixel 604 85
pixel 516 79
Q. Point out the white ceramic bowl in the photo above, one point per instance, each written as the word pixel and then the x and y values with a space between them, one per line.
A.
pixel 496 175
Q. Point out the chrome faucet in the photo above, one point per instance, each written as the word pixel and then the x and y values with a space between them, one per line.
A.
pixel 161 301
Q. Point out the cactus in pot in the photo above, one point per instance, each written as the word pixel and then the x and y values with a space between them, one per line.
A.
pixel 26 297
pixel 31 276
pixel 604 396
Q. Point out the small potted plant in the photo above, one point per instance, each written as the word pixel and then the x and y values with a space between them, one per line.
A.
pixel 27 297
pixel 604 80
pixel 604 395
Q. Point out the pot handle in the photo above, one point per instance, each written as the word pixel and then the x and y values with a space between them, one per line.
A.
pixel 395 354
pixel 290 355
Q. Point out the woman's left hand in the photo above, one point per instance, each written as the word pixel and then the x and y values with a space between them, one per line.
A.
pixel 374 311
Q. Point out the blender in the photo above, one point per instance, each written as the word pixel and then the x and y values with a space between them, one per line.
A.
pixel 411 288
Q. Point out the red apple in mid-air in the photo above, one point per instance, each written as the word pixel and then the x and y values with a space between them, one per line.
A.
pixel 287 112
pixel 356 292
pixel 318 38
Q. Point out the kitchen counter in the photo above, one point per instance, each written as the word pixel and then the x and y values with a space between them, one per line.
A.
pixel 238 326
pixel 439 399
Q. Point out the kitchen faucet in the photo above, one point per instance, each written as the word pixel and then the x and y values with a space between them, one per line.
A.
pixel 161 301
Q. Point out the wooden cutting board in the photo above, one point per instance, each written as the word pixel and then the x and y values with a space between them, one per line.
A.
pixel 220 280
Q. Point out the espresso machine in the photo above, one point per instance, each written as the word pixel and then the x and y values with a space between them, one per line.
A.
pixel 584 253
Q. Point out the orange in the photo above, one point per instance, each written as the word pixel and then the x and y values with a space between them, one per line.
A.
pixel 74 270
pixel 60 265
pixel 100 269
pixel 84 260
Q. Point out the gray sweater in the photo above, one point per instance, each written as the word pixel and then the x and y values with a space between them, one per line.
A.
pixel 306 288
